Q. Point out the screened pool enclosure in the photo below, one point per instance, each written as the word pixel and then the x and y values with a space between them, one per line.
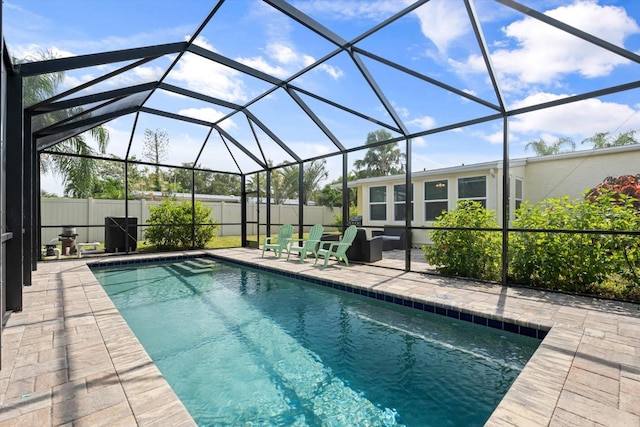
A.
pixel 312 97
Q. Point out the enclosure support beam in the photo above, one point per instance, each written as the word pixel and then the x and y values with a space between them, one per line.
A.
pixel 28 196
pixel 268 195
pixel 38 208
pixel 300 200
pixel 92 60
pixel 193 209
pixel 408 207
pixel 243 212
pixel 345 191
pixel 14 159
pixel 126 209
pixel 506 191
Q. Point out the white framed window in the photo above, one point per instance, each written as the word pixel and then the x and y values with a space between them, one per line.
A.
pixel 399 199
pixel 436 199
pixel 473 188
pixel 519 193
pixel 378 203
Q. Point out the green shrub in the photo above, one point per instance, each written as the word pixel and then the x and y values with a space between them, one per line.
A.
pixel 593 262
pixel 353 211
pixel 170 225
pixel 575 262
pixel 466 253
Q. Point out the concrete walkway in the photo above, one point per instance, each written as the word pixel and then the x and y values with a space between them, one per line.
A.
pixel 70 359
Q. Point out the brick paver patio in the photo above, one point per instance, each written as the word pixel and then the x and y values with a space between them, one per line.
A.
pixel 69 358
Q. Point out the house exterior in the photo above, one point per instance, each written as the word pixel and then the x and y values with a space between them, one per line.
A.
pixel 381 200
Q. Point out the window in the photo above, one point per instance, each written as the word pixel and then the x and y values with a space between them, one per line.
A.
pixel 378 203
pixel 473 188
pixel 436 199
pixel 518 197
pixel 399 199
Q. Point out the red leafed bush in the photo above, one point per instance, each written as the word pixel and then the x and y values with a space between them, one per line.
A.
pixel 624 184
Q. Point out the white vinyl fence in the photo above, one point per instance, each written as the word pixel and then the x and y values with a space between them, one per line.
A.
pixel 79 213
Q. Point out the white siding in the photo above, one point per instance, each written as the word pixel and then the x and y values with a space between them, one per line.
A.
pixel 572 175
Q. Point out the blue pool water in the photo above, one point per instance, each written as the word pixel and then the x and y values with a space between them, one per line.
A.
pixel 250 348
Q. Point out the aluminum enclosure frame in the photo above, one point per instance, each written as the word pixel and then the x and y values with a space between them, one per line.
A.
pixel 25 146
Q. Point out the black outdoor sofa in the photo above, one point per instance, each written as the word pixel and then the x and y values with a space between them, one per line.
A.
pixel 393 237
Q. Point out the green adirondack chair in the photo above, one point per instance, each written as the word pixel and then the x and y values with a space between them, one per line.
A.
pixel 308 245
pixel 279 243
pixel 338 250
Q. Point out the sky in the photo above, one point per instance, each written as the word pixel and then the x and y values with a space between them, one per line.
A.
pixel 534 63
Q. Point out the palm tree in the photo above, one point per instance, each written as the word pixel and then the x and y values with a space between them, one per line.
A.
pixel 543 148
pixel 381 160
pixel 313 173
pixel 78 174
pixel 602 140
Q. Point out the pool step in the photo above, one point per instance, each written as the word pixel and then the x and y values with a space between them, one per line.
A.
pixel 194 266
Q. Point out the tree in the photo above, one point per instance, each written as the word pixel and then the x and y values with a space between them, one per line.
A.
pixel 329 196
pixel 223 183
pixel 257 182
pixel 599 140
pixel 155 150
pixel 381 160
pixel 205 182
pixel 543 148
pixel 78 174
pixel 110 180
pixel 602 139
pixel 313 174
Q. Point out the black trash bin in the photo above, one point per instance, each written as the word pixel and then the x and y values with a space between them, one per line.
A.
pixel 115 234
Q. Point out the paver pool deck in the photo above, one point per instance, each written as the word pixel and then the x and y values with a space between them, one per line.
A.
pixel 69 358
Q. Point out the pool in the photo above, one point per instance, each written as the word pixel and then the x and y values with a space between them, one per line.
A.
pixel 246 347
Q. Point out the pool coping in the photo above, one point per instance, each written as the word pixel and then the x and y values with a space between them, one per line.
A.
pixel 585 371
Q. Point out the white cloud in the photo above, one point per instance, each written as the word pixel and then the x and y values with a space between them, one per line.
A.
pixel 544 54
pixel 282 53
pixel 148 74
pixel 402 111
pixel 375 10
pixel 493 138
pixel 442 22
pixel 210 78
pixel 423 123
pixel 419 142
pixel 210 115
pixel 578 120
pixel 334 72
pixel 288 60
pixel 259 63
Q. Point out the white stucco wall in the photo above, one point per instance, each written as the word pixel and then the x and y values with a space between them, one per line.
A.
pixel 542 177
pixel 573 173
